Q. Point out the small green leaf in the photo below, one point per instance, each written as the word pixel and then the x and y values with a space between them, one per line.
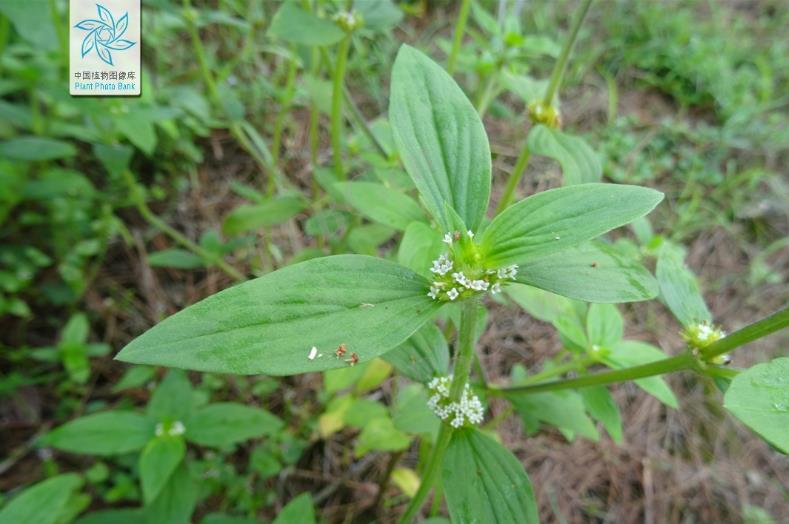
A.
pixel 297 26
pixel 134 377
pixel 252 217
pixel 628 353
pixel 379 15
pixel 268 325
pixel 175 258
pixel 158 461
pixel 381 204
pixel 593 272
pixel 604 325
pixel 554 220
pixel 366 239
pixel 411 413
pixel 380 435
pixel 108 433
pixel 759 397
pixel 421 244
pixel 580 164
pixel 42 503
pixel 540 304
pixel 423 356
pixel 441 139
pixel 176 501
pixel 484 482
pixel 226 423
pixel 563 409
pixel 600 404
pixel 33 148
pixel 679 288
pixel 172 399
pixel 298 511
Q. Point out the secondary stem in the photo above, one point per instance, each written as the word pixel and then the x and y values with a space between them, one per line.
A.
pixel 460 28
pixel 749 333
pixel 336 104
pixel 561 62
pixel 287 97
pixel 514 179
pixel 462 369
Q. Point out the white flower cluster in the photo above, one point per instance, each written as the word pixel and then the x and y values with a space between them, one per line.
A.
pixel 173 430
pixel 442 265
pixel 707 333
pixel 476 285
pixel 468 410
pixel 507 272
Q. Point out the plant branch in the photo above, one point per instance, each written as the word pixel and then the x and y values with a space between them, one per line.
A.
pixel 749 333
pixel 460 28
pixel 338 81
pixel 561 63
pixel 462 369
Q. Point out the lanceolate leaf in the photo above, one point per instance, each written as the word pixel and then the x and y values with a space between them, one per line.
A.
pixel 484 482
pixel 381 204
pixel 554 220
pixel 157 462
pixel 420 245
pixel 423 356
pixel 628 353
pixel 269 324
pixel 295 25
pixel 679 288
pixel 580 164
pixel 41 503
pixel 297 511
pixel 441 139
pixel 251 217
pixel 226 423
pixel 107 433
pixel 593 272
pixel 759 397
pixel 176 501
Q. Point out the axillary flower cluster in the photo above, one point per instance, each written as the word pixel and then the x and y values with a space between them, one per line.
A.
pixel 699 336
pixel 458 273
pixel 467 411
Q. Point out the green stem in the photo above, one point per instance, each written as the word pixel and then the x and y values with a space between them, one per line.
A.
pixel 462 369
pixel 514 179
pixel 749 333
pixel 279 123
pixel 338 81
pixel 460 28
pixel 363 125
pixel 142 206
pixel 561 63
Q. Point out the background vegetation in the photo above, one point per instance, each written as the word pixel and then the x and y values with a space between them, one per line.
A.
pixel 115 213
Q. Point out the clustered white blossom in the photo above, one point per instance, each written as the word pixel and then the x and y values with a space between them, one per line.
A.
pixel 468 410
pixel 450 282
pixel 172 430
pixel 707 333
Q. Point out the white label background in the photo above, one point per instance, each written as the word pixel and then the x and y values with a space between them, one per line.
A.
pixel 124 61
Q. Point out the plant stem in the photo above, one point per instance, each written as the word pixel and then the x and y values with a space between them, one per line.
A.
pixel 460 28
pixel 561 63
pixel 514 179
pixel 287 97
pixel 142 206
pixel 363 125
pixel 749 333
pixel 462 368
pixel 338 80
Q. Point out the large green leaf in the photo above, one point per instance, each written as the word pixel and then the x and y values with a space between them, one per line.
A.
pixel 158 461
pixel 593 272
pixel 554 220
pixel 295 25
pixel 441 139
pixel 580 164
pixel 226 423
pixel 41 503
pixel 381 204
pixel 679 288
pixel 484 482
pixel 759 397
pixel 268 325
pixel 629 353
pixel 105 433
pixel 176 501
pixel 423 356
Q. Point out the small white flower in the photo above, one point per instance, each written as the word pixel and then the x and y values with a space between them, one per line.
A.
pixel 177 428
pixel 442 265
pixel 470 233
pixel 495 288
pixel 433 293
pixel 452 293
pixel 448 238
pixel 508 272
pixel 313 353
pixel 467 410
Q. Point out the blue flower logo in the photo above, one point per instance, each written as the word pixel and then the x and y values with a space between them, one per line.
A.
pixel 104 35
